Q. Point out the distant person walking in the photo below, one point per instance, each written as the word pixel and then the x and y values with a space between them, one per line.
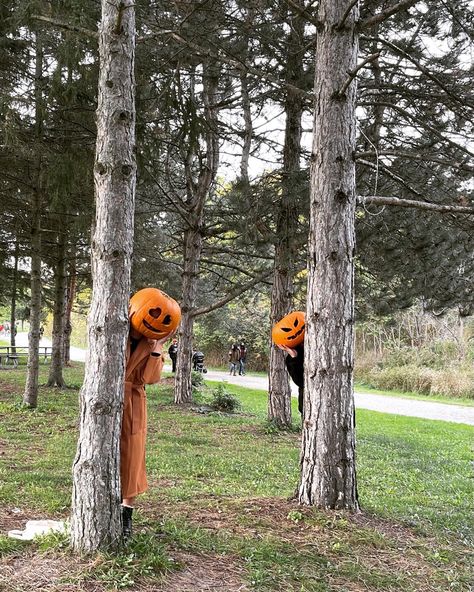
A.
pixel 242 358
pixel 234 357
pixel 173 354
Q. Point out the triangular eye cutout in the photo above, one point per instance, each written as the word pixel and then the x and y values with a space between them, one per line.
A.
pixel 295 324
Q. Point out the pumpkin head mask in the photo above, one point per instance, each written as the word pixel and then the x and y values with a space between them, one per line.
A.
pixel 153 313
pixel 290 330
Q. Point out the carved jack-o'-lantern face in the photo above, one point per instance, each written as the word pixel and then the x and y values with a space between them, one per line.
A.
pixel 290 330
pixel 153 313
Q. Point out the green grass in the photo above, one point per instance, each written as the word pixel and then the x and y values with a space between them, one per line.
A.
pixel 218 494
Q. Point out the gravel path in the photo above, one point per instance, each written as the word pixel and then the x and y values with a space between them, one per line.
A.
pixel 382 403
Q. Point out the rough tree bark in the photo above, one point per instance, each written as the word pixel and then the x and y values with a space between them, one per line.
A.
pixel 328 473
pixel 56 369
pixel 96 521
pixel 279 394
pixel 197 195
pixel 30 395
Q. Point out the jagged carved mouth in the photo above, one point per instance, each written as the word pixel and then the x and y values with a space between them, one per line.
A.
pixel 291 337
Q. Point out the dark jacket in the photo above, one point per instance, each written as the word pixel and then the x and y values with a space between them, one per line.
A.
pixel 295 367
pixel 173 350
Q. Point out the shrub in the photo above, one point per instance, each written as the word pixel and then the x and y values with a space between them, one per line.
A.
pixel 454 382
pixel 197 379
pixel 223 401
pixel 403 378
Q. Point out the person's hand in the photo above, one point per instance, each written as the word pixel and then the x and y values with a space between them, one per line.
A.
pixel 292 352
pixel 163 340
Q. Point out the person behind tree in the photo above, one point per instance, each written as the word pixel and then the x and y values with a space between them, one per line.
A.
pixel 173 354
pixel 242 358
pixel 234 357
pixel 154 317
pixel 288 335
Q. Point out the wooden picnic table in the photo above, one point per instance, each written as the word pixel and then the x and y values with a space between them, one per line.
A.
pixel 10 355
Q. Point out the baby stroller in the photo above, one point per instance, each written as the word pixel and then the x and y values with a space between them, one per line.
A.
pixel 198 362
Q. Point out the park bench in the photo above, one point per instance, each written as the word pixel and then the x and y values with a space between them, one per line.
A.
pixel 10 356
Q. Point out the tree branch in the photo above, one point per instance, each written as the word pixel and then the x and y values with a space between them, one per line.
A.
pixel 237 291
pixel 347 13
pixel 67 26
pixel 238 65
pixel 410 203
pixel 354 72
pixel 422 68
pixel 387 13
pixel 462 166
pixel 389 173
pixel 302 12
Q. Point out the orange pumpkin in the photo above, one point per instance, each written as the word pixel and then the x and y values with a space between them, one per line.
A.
pixel 153 313
pixel 290 330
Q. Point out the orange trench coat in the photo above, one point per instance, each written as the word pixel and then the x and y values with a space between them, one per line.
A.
pixel 144 366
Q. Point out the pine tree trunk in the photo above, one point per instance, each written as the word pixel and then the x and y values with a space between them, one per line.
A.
pixel 67 327
pixel 193 236
pixel 192 254
pixel 328 473
pixel 279 392
pixel 30 396
pixel 56 369
pixel 96 520
pixel 279 395
pixel 16 257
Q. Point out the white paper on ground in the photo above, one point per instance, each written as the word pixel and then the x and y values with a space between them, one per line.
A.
pixel 36 528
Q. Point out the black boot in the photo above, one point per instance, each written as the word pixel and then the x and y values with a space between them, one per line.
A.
pixel 127 522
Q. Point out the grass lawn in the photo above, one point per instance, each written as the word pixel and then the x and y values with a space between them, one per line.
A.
pixel 217 515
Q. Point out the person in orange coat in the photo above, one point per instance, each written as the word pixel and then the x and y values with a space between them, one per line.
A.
pixel 154 317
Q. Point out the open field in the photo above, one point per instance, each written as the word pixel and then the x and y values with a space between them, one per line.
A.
pixel 218 514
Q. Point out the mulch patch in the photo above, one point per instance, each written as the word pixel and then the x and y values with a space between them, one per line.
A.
pixel 204 573
pixel 8 389
pixel 375 543
pixel 30 572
